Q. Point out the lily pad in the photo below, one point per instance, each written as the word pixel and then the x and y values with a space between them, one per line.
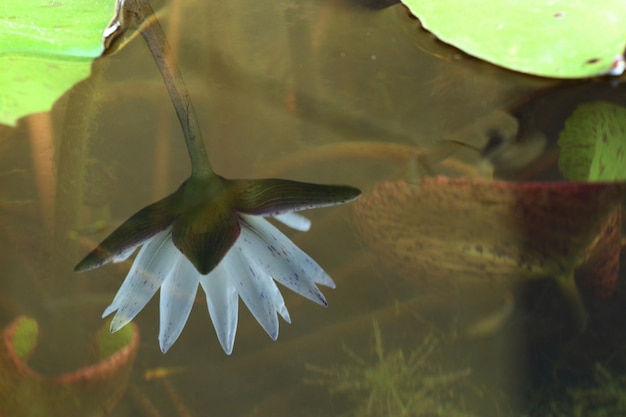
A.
pixel 470 236
pixel 561 38
pixel 46 47
pixel 593 143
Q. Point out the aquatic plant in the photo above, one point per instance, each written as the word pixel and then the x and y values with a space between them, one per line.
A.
pixel 395 384
pixel 90 391
pixel 460 234
pixel 211 231
pixel 540 38
pixel 35 49
pixel 591 146
pixel 605 398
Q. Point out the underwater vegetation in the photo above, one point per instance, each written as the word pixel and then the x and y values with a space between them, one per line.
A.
pixel 606 397
pixel 90 391
pixel 455 234
pixel 396 384
pixel 380 378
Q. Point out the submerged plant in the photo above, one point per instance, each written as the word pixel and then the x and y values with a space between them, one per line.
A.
pixel 464 233
pixel 606 398
pixel 395 384
pixel 90 391
pixel 211 231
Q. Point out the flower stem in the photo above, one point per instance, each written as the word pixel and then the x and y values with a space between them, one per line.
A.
pixel 154 36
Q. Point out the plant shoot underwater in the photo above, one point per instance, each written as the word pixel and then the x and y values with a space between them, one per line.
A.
pixel 211 231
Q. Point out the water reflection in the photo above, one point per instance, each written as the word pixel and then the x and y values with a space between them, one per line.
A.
pixel 297 91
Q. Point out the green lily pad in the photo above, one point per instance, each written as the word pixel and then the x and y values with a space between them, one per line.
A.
pixel 47 46
pixel 593 143
pixel 561 38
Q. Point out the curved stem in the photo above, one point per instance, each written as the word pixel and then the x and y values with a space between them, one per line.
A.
pixel 154 36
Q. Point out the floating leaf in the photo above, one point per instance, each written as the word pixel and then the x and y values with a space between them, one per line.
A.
pixel 561 38
pixel 593 143
pixel 46 47
pixel 466 235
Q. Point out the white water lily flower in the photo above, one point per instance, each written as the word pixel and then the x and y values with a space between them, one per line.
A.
pixel 213 232
pixel 260 255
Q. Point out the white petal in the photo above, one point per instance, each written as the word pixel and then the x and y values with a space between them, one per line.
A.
pixel 151 267
pixel 178 293
pixel 122 256
pixel 280 258
pixel 259 292
pixel 294 220
pixel 223 300
pixel 150 245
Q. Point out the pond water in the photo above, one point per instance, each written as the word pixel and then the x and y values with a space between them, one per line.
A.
pixel 325 91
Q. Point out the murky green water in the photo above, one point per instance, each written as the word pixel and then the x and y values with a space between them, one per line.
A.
pixel 323 91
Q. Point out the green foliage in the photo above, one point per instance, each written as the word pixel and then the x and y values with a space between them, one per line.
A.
pixel 71 28
pixel 593 143
pixel 395 384
pixel 562 38
pixel 605 398
pixel 46 46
